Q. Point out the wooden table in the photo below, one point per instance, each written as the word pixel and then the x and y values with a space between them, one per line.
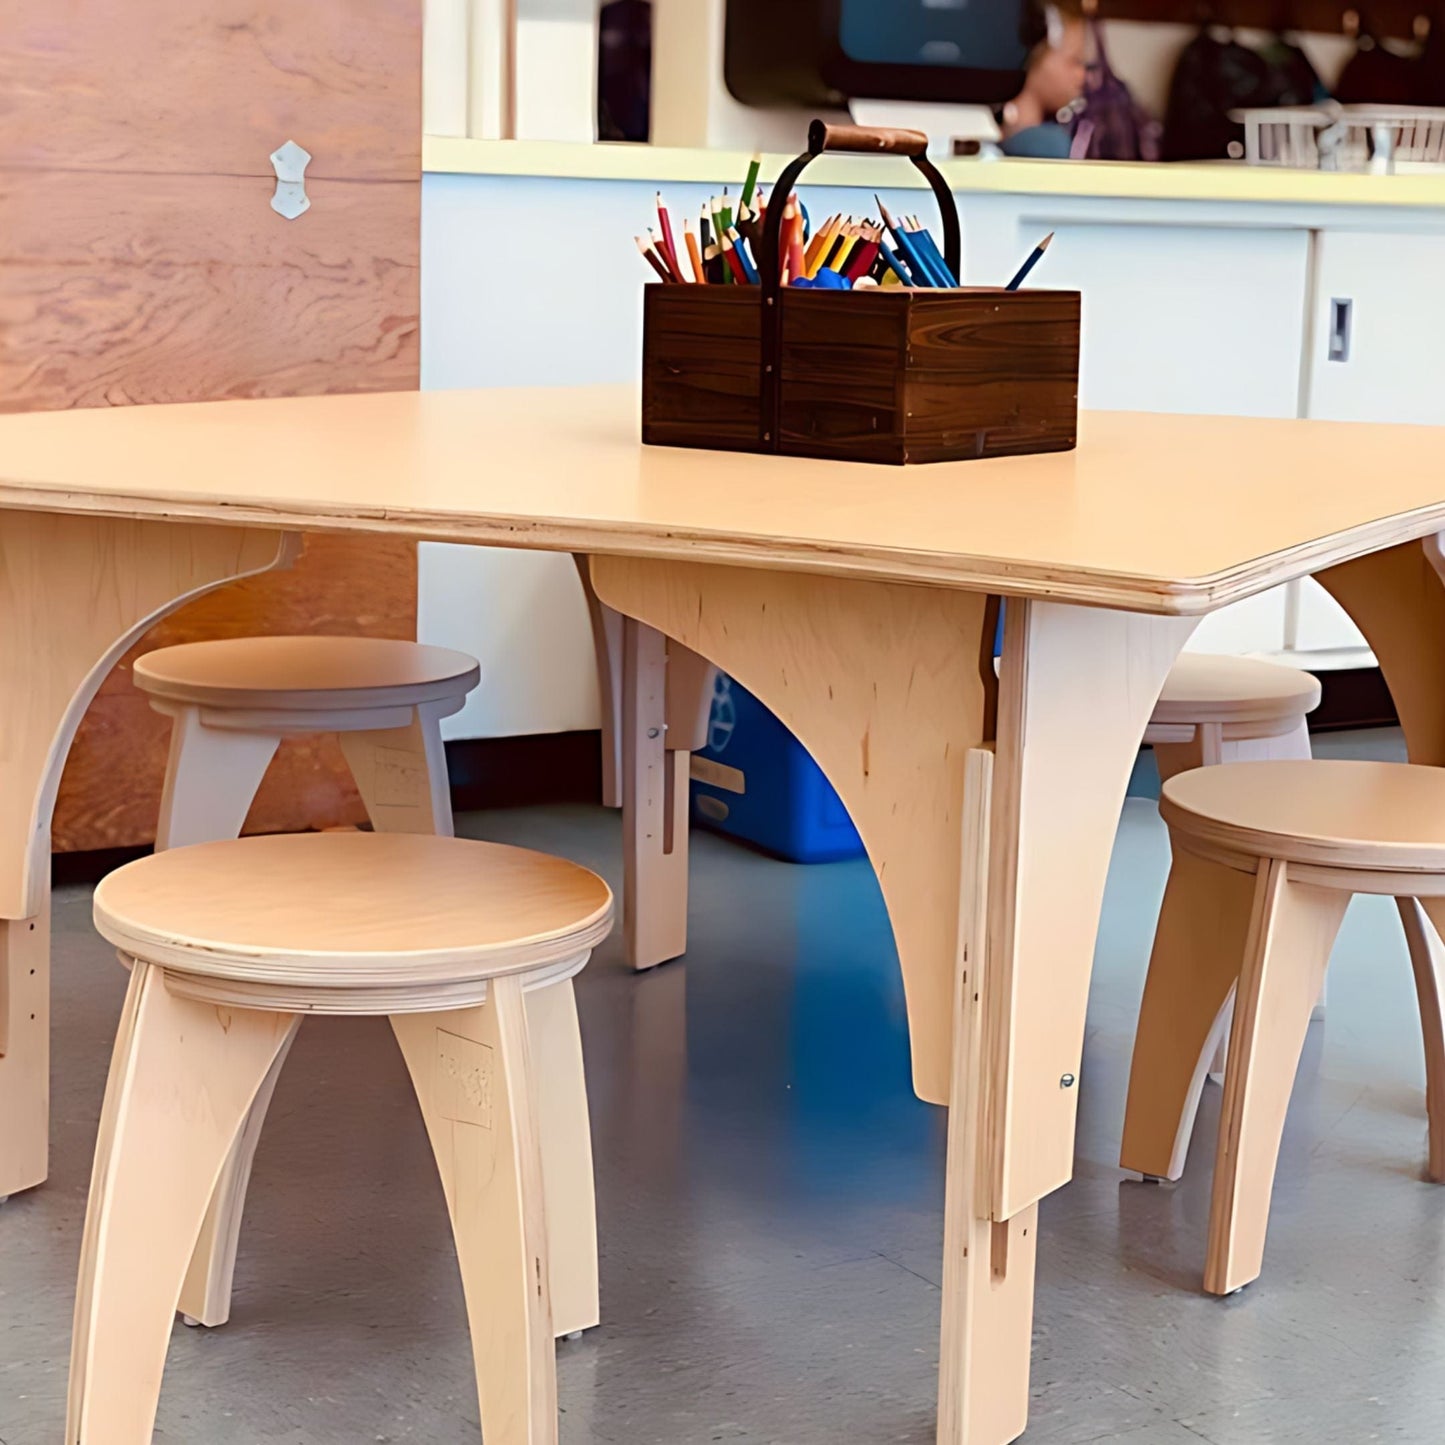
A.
pixel 852 600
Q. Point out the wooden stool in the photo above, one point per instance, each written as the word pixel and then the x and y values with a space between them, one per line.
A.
pixel 1216 709
pixel 469 948
pixel 1266 859
pixel 1228 710
pixel 232 700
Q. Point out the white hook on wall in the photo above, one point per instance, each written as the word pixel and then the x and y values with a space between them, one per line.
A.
pixel 289 162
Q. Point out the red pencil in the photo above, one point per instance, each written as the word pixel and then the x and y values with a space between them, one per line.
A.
pixel 664 222
pixel 650 256
pixel 730 255
pixel 862 260
pixel 674 271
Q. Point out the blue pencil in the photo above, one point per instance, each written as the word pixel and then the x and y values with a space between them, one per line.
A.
pixel 894 264
pixel 1034 259
pixel 922 272
pixel 923 237
pixel 749 270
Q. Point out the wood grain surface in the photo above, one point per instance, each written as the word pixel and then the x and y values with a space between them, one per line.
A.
pixel 116 291
pixel 173 87
pixel 141 262
pixel 889 376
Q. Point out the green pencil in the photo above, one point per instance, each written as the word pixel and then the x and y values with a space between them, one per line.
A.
pixel 750 184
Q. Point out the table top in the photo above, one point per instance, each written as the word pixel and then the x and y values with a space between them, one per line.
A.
pixel 1169 514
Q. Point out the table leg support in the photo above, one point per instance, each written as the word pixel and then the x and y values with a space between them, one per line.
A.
pixel 988 1267
pixel 78 592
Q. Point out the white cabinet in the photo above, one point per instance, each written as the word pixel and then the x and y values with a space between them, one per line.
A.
pixel 1373 355
pixel 1383 296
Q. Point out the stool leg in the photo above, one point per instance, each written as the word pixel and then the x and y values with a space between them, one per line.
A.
pixel 211 779
pixel 402 774
pixel 473 1075
pixel 206 1292
pixel 566 1132
pixel 181 1081
pixel 212 775
pixel 1292 930
pixel 1422 920
pixel 1198 944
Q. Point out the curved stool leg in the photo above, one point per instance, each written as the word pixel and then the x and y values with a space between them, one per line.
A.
pixel 1422 919
pixel 1291 933
pixel 206 1292
pixel 1200 939
pixel 181 1081
pixel 473 1075
pixel 566 1156
pixel 402 775
pixel 212 775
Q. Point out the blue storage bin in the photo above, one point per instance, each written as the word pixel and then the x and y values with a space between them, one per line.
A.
pixel 759 783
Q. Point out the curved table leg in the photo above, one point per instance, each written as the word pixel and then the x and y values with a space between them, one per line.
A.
pixel 883 684
pixel 77 592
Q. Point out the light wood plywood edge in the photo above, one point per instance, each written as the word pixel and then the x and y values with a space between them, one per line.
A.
pixel 1113 524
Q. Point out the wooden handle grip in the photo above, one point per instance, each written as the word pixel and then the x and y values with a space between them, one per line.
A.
pixel 824 137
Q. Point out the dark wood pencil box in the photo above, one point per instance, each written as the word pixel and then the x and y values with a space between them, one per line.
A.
pixel 878 375
pixel 872 376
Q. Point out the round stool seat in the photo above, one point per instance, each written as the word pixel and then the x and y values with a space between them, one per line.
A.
pixel 1205 688
pixel 306 673
pixel 1330 812
pixel 337 911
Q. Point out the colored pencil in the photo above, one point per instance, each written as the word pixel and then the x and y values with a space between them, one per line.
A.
pixel 908 250
pixel 730 255
pixel 751 183
pixel 840 253
pixel 667 258
pixel 750 272
pixel 895 268
pixel 694 254
pixel 727 210
pixel 923 238
pixel 664 225
pixel 861 263
pixel 1034 259
pixel 793 228
pixel 650 256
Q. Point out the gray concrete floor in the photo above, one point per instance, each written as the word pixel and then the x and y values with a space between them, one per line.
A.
pixel 770 1198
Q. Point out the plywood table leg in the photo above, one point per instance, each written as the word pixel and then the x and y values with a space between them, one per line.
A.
pixel 607 645
pixel 1077 687
pixel 654 807
pixel 77 592
pixel 25 1048
pixel 887 687
pixel 988 1267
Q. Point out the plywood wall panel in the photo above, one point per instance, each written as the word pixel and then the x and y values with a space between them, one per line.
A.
pixel 119 290
pixel 211 87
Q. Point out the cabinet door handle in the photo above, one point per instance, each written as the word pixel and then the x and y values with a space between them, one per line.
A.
pixel 1342 315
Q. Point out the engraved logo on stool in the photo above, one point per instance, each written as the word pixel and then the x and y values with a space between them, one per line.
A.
pixel 464 1080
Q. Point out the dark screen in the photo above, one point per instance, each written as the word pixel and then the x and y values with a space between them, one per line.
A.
pixel 976 34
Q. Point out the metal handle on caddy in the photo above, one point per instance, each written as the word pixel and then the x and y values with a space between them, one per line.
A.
pixel 822 138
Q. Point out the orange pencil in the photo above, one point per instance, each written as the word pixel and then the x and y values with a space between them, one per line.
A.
pixel 694 254
pixel 793 227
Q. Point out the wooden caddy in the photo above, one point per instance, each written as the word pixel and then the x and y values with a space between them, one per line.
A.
pixel 896 375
